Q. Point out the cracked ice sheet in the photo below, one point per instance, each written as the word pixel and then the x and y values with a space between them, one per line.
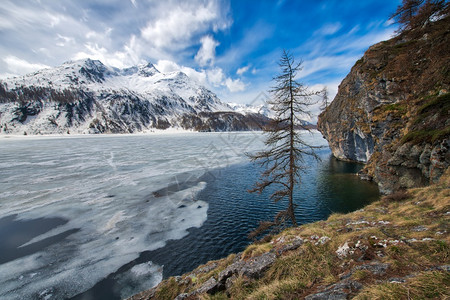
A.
pixel 104 187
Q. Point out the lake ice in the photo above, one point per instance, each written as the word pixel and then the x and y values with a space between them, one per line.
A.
pixel 105 186
pixel 99 202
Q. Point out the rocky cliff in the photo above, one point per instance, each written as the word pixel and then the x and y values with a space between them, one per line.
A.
pixel 392 110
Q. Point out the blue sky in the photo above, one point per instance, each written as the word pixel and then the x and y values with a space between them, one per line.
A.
pixel 232 47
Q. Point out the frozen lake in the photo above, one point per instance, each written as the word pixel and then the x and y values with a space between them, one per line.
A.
pixel 107 216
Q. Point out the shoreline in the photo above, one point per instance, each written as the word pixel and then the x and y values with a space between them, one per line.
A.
pixel 77 135
pixel 389 248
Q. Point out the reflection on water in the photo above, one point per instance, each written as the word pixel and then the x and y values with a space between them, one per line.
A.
pixel 112 215
pixel 327 186
pixel 340 190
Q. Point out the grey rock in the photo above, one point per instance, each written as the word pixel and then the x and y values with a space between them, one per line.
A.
pixel 181 296
pixel 230 281
pixel 397 280
pixel 229 271
pixel 149 294
pixel 210 286
pixel 253 268
pixel 338 291
pixel 256 266
pixel 295 244
pixel 378 269
pixel 207 268
pixel 419 228
pixel 445 268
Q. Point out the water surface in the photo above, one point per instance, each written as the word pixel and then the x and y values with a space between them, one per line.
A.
pixel 104 217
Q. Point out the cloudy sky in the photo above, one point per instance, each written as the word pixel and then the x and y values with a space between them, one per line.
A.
pixel 232 46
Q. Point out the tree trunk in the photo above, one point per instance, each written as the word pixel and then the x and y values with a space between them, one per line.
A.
pixel 291 211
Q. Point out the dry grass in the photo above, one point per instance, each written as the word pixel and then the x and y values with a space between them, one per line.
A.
pixel 413 229
pixel 426 285
pixel 277 289
pixel 256 250
pixel 169 290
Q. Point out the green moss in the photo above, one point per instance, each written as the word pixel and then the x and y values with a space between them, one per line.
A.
pixel 425 135
pixel 440 103
pixel 396 49
pixel 400 107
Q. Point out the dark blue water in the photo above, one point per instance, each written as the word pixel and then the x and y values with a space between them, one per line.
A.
pixel 327 186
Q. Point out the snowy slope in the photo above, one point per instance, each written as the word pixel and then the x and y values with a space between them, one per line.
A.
pixel 246 109
pixel 86 96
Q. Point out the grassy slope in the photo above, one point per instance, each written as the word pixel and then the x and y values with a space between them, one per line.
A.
pixel 408 233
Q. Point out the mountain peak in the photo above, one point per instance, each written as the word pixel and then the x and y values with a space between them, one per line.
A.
pixel 147 70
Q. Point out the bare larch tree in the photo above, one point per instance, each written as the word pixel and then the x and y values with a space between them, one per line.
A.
pixel 284 157
pixel 416 13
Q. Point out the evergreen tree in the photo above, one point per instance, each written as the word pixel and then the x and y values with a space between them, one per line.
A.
pixel 286 150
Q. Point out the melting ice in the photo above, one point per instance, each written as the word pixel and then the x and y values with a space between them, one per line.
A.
pixel 119 196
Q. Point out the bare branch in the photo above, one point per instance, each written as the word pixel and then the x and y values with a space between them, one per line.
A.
pixel 284 158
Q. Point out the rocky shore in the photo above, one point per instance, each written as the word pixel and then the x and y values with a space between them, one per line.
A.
pixel 396 247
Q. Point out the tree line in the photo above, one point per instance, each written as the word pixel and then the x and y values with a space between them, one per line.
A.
pixel 25 94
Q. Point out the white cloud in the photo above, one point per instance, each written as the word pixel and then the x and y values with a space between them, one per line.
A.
pixel 213 77
pixel 207 53
pixel 242 70
pixel 355 29
pixel 166 66
pixel 200 77
pixel 329 29
pixel 64 40
pixel 235 85
pixel 326 63
pixel 216 76
pixel 128 56
pixel 75 29
pixel 176 26
pixel 21 66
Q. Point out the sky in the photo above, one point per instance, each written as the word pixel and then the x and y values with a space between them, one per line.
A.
pixel 231 46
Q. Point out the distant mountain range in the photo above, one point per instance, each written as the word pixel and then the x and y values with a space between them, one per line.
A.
pixel 86 96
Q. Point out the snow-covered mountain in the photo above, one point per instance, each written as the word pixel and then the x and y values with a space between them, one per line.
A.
pixel 86 96
pixel 265 110
pixel 246 109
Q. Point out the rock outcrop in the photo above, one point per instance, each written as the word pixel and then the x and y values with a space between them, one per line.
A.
pixel 391 248
pixel 392 110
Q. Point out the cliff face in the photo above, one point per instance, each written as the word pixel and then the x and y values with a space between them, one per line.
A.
pixel 392 110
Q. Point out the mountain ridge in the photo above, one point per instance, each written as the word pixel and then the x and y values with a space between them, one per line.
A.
pixel 86 96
